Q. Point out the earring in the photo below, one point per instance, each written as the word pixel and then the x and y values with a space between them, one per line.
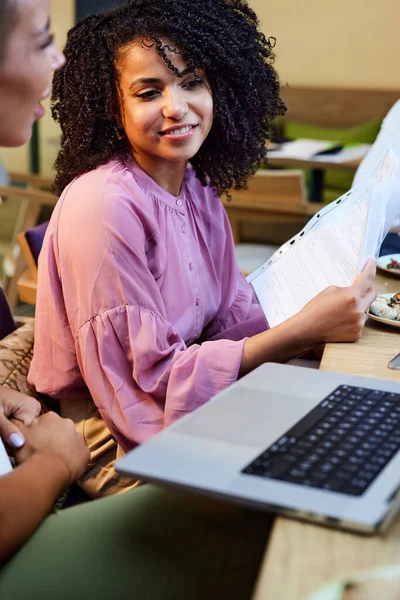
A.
pixel 120 133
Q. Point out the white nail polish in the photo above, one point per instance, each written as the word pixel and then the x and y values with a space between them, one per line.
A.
pixel 16 440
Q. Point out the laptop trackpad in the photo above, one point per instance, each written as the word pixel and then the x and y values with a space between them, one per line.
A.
pixel 246 416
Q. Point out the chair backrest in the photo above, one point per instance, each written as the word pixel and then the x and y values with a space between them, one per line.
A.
pixel 7 323
pixel 272 188
pixel 274 198
pixel 31 242
pixel 337 107
pixel 30 180
pixel 32 200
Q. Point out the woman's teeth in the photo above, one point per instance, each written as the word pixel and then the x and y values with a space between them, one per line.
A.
pixel 179 131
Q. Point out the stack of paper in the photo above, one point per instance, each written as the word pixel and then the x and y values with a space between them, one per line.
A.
pixel 305 149
pixel 333 247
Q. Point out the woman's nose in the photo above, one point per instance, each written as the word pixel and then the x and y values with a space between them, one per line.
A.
pixel 57 58
pixel 175 106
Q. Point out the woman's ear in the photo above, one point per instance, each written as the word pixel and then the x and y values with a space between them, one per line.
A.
pixel 116 113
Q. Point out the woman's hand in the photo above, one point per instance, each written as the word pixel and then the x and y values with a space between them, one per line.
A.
pixel 335 315
pixel 339 314
pixel 18 406
pixel 57 438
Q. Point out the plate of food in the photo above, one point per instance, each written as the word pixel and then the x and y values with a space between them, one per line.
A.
pixel 390 263
pixel 379 583
pixel 386 309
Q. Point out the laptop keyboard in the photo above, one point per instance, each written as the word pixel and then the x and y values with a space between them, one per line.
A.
pixel 341 445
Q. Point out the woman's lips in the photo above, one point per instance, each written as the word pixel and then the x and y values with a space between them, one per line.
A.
pixel 179 134
pixel 39 111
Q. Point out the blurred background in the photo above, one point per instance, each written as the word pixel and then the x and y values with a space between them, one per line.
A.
pixel 344 44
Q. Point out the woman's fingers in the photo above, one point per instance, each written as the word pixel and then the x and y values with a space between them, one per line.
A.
pixel 9 433
pixel 365 280
pixel 18 405
pixel 15 405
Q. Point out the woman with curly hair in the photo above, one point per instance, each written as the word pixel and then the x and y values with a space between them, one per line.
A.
pixel 142 312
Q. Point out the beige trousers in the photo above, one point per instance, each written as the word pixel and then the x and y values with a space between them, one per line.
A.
pixel 100 479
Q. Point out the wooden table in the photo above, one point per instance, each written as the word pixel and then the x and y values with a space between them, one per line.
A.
pixel 350 165
pixel 301 557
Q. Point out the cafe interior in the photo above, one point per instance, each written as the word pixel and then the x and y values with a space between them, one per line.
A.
pixel 339 77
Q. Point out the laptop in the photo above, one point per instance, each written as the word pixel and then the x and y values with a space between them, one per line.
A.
pixel 309 444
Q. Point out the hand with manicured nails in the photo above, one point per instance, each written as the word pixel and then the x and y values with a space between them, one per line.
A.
pixel 18 406
pixel 56 437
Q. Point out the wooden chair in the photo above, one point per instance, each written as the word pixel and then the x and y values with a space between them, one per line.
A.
pixel 33 198
pixel 275 202
pixel 30 180
pixel 30 242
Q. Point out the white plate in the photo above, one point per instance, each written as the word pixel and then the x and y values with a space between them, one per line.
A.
pixel 385 579
pixel 384 261
pixel 390 322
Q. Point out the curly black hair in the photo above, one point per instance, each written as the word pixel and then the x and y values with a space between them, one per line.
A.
pixel 219 36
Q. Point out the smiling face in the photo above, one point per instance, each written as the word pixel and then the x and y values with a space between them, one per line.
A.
pixel 165 117
pixel 26 71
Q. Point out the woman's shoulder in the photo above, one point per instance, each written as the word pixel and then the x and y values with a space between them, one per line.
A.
pixel 112 177
pixel 105 199
pixel 106 190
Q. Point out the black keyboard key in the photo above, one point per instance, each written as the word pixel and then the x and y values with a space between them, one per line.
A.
pixel 311 419
pixel 376 395
pixel 367 475
pixel 347 447
pixel 305 444
pixel 349 468
pixel 278 466
pixel 333 485
pixel 341 453
pixel 318 478
pixel 355 487
pixel 362 391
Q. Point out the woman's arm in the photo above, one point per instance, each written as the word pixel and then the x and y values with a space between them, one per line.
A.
pixel 54 456
pixel 26 497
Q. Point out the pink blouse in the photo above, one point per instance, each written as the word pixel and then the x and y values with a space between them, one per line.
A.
pixel 141 304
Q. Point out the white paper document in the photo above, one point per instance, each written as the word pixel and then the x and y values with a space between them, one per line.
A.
pixel 347 153
pixel 5 464
pixel 302 149
pixel 334 245
pixel 307 149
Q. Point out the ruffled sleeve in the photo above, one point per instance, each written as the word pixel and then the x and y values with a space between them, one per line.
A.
pixel 142 376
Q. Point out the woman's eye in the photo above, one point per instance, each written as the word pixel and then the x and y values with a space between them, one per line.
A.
pixel 194 84
pixel 48 42
pixel 149 95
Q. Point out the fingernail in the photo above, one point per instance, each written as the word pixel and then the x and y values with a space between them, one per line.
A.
pixel 16 440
